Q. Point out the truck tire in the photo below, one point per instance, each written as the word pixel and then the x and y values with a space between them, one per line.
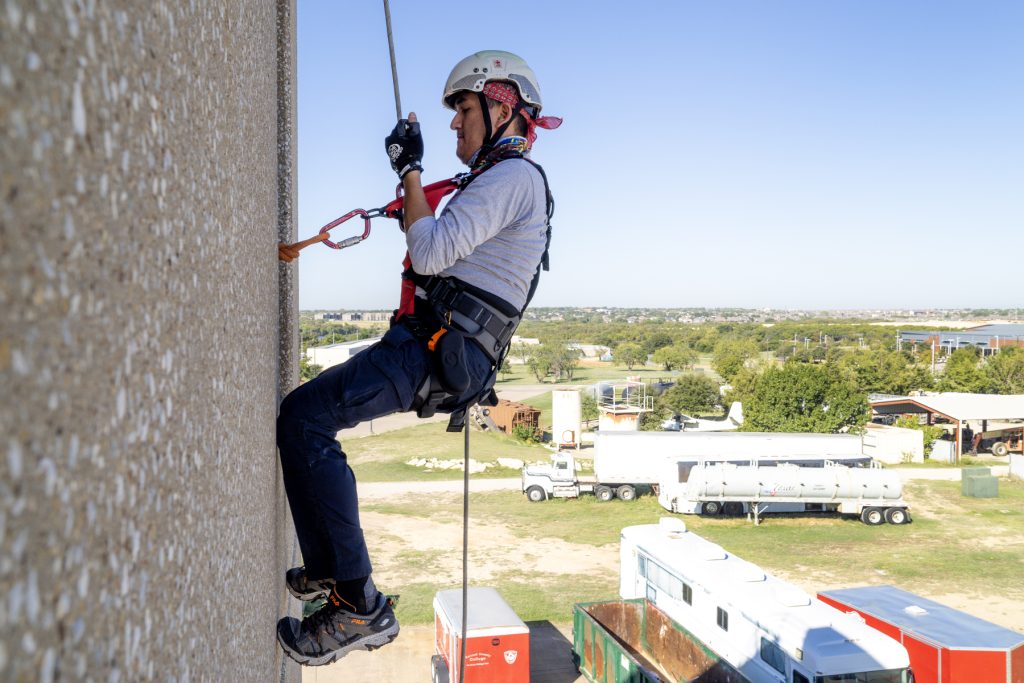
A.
pixel 711 508
pixel 536 494
pixel 896 516
pixel 625 492
pixel 604 493
pixel 733 509
pixel 872 516
pixel 999 448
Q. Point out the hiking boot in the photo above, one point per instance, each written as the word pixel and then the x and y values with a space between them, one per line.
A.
pixel 305 588
pixel 332 632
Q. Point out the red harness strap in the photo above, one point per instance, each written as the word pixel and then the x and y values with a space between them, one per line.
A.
pixel 435 192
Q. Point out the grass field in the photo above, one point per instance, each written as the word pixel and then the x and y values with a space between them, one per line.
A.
pixel 955 545
pixel 383 457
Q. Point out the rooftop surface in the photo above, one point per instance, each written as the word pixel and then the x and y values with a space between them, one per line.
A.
pixel 938 623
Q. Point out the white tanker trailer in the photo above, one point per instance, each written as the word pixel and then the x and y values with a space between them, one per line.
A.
pixel 876 495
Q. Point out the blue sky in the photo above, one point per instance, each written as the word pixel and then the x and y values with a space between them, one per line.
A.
pixel 817 154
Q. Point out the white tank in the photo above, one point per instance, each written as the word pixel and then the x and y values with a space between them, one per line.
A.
pixel 566 417
pixel 791 481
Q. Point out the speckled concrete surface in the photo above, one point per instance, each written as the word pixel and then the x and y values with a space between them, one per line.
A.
pixel 145 177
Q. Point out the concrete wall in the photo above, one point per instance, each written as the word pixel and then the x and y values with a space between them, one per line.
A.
pixel 147 334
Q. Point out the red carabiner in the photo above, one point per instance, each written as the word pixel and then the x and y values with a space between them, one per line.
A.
pixel 351 241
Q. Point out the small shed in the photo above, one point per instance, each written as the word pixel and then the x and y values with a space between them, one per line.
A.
pixel 979 411
pixel 945 645
pixel 508 415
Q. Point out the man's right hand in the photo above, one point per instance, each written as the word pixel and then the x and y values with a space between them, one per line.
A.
pixel 405 146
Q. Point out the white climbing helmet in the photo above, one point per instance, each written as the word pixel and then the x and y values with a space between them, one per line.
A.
pixel 476 70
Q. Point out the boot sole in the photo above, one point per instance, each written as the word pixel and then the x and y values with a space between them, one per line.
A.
pixel 369 643
pixel 308 597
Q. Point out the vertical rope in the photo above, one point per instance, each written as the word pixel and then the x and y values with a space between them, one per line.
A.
pixel 394 66
pixel 465 549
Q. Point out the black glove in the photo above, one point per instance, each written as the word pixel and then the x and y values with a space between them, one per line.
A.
pixel 405 147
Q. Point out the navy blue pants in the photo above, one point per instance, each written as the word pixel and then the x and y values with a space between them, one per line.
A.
pixel 321 486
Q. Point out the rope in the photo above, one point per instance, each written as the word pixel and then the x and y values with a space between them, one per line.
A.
pixel 394 67
pixel 465 550
pixel 465 430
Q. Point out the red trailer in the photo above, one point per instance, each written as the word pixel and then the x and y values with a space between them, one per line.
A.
pixel 945 645
pixel 497 640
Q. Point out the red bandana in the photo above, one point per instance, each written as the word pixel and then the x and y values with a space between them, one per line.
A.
pixel 503 92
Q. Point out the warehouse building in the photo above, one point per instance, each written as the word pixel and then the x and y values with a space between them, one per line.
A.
pixel 988 338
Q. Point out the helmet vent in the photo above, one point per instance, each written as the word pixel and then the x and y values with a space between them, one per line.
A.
pixel 529 93
pixel 466 83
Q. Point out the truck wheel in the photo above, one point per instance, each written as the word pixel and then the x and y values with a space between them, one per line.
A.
pixel 999 448
pixel 438 670
pixel 733 509
pixel 896 516
pixel 872 516
pixel 625 492
pixel 711 508
pixel 604 493
pixel 536 494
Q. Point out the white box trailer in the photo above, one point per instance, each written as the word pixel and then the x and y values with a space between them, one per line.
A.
pixel 625 460
pixel 874 494
pixel 743 446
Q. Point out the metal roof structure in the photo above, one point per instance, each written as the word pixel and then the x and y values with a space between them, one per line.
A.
pixel 956 406
pixel 938 623
pixel 985 337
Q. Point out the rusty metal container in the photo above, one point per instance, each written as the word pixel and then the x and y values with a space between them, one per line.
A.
pixel 632 641
pixel 509 414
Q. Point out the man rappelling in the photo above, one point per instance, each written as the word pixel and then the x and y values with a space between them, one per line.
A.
pixel 469 275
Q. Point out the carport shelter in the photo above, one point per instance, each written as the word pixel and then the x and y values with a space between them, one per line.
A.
pixel 955 407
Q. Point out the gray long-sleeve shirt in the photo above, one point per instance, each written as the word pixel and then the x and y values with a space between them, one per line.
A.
pixel 490 235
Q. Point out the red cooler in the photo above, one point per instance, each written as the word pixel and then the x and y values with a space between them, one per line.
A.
pixel 497 641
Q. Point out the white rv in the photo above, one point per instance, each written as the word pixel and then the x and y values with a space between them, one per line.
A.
pixel 770 630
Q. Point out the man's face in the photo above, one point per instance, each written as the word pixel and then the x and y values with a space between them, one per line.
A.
pixel 468 124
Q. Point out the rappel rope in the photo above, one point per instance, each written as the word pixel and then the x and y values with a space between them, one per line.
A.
pixel 465 457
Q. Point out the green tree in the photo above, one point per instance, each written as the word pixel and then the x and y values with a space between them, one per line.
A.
pixel 885 372
pixel 553 358
pixel 691 394
pixel 307 370
pixel 676 357
pixel 963 372
pixel 588 407
pixel 731 356
pixel 798 397
pixel 630 354
pixel 1004 372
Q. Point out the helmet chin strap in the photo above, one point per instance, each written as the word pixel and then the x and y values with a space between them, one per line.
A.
pixel 491 139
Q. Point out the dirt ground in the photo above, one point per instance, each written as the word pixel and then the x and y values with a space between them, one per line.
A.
pixel 408 658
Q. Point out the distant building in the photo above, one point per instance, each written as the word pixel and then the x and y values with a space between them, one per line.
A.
pixel 328 316
pixel 988 338
pixel 356 316
pixel 334 354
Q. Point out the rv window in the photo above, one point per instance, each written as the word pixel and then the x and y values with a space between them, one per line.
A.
pixel 684 471
pixel 723 619
pixel 652 595
pixel 687 594
pixel 642 566
pixel 773 656
pixel 562 465
pixel 800 678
